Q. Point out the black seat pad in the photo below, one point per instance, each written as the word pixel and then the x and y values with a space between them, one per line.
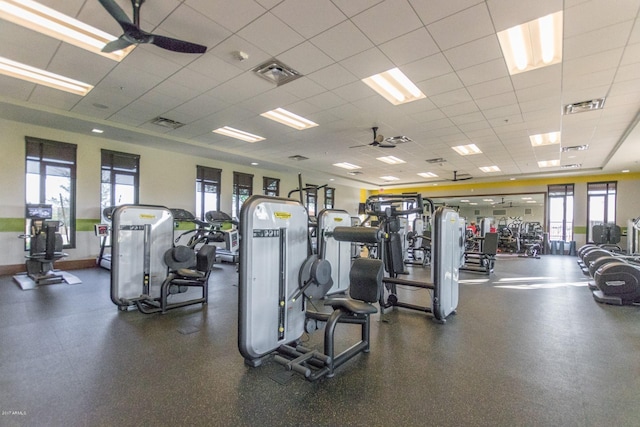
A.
pixel 354 306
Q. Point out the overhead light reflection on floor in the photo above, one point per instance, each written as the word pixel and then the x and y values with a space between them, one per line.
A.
pixel 472 281
pixel 543 285
pixel 525 279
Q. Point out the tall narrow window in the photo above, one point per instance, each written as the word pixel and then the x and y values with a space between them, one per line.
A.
pixel 270 186
pixel 601 204
pixel 120 179
pixel 329 197
pixel 51 179
pixel 312 199
pixel 242 189
pixel 560 212
pixel 207 190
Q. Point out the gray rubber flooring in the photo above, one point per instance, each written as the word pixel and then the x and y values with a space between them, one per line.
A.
pixel 528 347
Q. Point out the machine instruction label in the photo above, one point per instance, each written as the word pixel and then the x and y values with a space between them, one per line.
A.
pixel 274 232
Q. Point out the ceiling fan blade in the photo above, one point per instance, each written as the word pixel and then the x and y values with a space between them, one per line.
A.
pixel 116 11
pixel 177 45
pixel 115 45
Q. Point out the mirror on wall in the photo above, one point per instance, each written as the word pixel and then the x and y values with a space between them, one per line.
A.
pixel 529 207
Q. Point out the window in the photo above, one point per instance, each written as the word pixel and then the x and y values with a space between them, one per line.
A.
pixel 271 186
pixel 601 204
pixel 329 197
pixel 242 189
pixel 207 190
pixel 51 179
pixel 560 212
pixel 120 179
pixel 312 199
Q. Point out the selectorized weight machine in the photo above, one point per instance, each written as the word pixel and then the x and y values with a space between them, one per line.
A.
pixel 146 269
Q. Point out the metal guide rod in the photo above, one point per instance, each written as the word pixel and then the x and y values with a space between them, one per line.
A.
pixel 147 259
pixel 282 282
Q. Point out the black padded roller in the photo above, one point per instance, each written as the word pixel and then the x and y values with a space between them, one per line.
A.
pixel 356 234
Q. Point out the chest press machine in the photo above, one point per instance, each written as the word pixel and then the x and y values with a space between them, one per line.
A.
pixel 279 280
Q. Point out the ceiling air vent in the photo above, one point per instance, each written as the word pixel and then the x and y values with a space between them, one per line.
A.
pixel 298 157
pixel 167 123
pixel 438 160
pixel 575 148
pixel 276 72
pixel 584 106
pixel 572 166
pixel 354 173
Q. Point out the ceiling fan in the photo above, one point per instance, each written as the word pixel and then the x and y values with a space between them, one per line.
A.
pixel 380 141
pixel 134 35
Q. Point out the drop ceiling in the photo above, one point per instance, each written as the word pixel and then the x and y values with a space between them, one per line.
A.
pixel 448 48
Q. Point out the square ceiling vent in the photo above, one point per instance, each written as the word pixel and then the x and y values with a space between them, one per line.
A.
pixel 166 123
pixel 584 106
pixel 276 72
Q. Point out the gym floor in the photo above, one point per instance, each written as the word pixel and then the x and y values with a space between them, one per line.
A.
pixel 529 346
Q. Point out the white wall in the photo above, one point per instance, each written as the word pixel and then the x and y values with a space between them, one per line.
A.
pixel 166 179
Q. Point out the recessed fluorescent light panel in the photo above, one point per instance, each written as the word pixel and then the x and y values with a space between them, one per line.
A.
pixel 238 134
pixel 391 160
pixel 288 118
pixel 428 175
pixel 548 163
pixel 490 169
pixel 49 22
pixel 545 139
pixel 466 150
pixel 534 44
pixel 348 166
pixel 394 86
pixel 389 178
pixel 35 75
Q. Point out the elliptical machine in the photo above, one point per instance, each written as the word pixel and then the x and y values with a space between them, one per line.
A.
pixel 45 247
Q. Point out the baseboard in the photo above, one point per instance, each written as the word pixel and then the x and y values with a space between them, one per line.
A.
pixel 76 264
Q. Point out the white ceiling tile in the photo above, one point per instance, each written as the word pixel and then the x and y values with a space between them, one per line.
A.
pixel 187 24
pixel 387 20
pixel 232 14
pixel 427 68
pixel 326 100
pixel 227 51
pixel 241 88
pixel 451 98
pixel 402 50
pixel 305 58
pixel 506 15
pixel 302 88
pixel 600 40
pixel 463 27
pixel 430 11
pixel 332 42
pixel 487 71
pixel 214 68
pixel 309 17
pixel 495 101
pixel 333 76
pixel 474 53
pixel 440 84
pixel 270 34
pixel 367 63
pixel 460 108
pixel 354 91
pixel 594 14
pixel 631 54
pixel 492 87
pixel 353 7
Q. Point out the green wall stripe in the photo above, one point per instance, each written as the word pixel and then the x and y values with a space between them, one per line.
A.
pixel 86 224
pixel 580 229
pixel 12 225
